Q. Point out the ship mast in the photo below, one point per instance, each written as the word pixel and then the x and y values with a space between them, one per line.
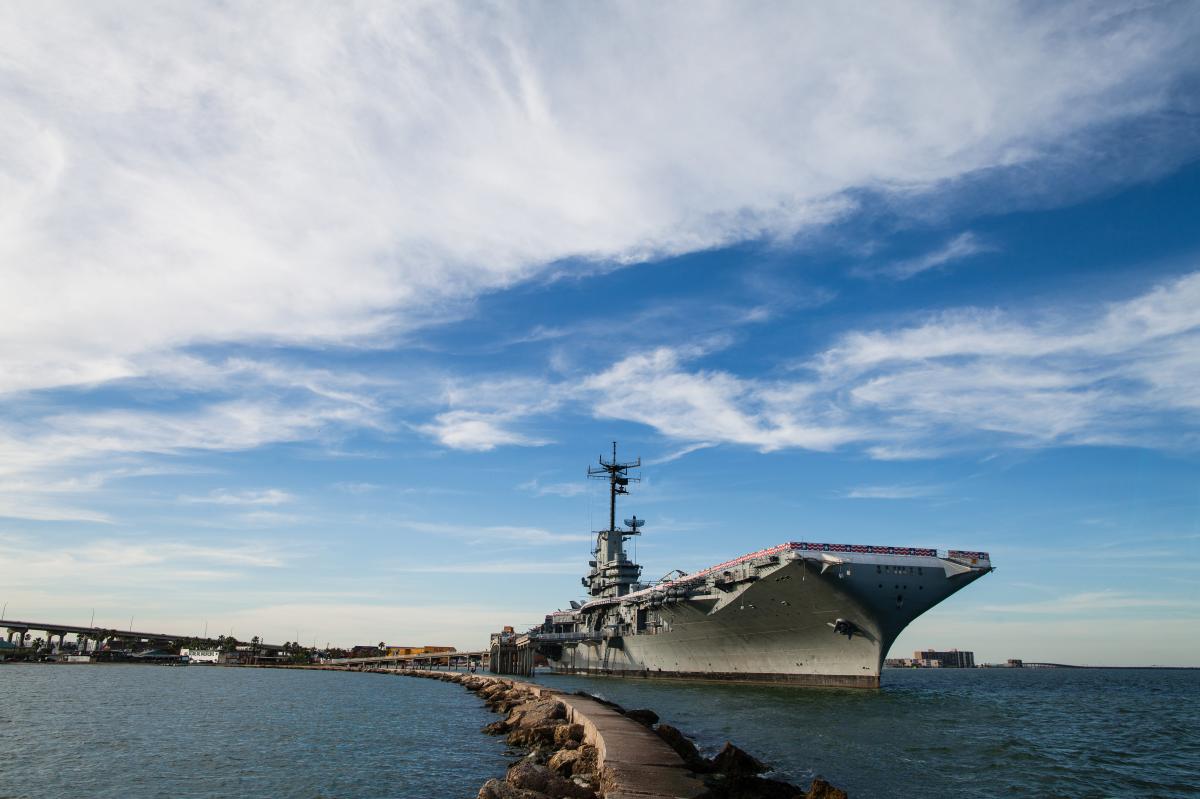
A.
pixel 612 572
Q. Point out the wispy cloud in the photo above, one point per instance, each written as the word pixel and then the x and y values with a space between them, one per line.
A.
pixel 223 496
pixel 398 174
pixel 494 567
pixel 964 245
pixel 1094 602
pixel 1122 373
pixel 477 431
pixel 135 560
pixel 892 491
pixel 535 486
pixel 679 453
pixel 356 488
pixel 507 533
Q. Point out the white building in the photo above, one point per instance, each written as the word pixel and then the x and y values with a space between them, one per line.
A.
pixel 202 655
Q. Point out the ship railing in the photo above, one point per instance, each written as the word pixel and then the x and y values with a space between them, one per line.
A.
pixel 564 636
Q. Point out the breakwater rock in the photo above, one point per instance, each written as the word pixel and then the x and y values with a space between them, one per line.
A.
pixel 580 747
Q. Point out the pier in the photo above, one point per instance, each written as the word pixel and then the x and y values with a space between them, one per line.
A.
pixel 510 654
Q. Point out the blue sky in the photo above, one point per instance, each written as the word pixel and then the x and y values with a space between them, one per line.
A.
pixel 310 322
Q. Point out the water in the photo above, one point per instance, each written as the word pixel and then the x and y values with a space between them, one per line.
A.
pixel 149 731
pixel 953 733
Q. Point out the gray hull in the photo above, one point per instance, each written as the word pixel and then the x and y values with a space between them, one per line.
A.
pixel 772 622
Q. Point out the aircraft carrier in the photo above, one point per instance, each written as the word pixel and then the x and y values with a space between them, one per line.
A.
pixel 800 613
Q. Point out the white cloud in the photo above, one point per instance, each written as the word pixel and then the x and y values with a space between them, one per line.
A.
pixel 680 453
pixel 964 245
pixel 1124 373
pixel 136 560
pixel 1094 602
pixel 506 533
pixel 222 496
pixel 654 389
pixel 479 432
pixel 493 567
pixel 358 488
pixel 892 491
pixel 541 489
pixel 206 174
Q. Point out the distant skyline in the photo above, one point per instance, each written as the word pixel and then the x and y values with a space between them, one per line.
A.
pixel 311 319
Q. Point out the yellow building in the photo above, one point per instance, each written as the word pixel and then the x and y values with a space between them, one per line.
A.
pixel 400 651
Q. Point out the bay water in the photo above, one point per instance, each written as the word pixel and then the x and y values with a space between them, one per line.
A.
pixel 150 731
pixel 952 733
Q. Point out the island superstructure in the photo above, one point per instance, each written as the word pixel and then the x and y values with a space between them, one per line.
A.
pixel 800 612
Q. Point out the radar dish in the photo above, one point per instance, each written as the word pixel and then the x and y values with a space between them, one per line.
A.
pixel 635 522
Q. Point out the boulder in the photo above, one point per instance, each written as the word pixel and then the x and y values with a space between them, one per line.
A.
pixel 540 711
pixel 588 762
pixel 683 747
pixel 563 762
pixel 525 735
pixel 532 777
pixel 733 761
pixel 495 789
pixel 820 789
pixel 496 728
pixel 568 732
pixel 643 716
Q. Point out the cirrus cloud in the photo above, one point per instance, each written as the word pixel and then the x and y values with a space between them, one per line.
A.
pixel 195 174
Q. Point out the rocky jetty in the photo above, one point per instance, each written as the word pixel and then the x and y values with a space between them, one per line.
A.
pixel 567 756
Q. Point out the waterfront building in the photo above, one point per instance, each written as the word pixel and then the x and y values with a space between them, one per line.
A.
pixel 949 659
pixel 402 651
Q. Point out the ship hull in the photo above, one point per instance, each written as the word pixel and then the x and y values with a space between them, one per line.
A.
pixel 780 627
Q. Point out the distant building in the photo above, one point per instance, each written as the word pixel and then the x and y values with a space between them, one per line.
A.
pixel 202 655
pixel 402 651
pixel 949 659
pixel 1016 663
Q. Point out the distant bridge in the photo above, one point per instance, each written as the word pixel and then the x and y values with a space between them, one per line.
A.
pixel 100 635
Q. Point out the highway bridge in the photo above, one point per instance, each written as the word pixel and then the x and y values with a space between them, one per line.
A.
pixel 100 635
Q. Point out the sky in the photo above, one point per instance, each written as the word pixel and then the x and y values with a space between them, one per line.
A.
pixel 313 316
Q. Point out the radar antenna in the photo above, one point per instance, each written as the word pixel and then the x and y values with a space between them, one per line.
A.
pixel 612 572
pixel 617 475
